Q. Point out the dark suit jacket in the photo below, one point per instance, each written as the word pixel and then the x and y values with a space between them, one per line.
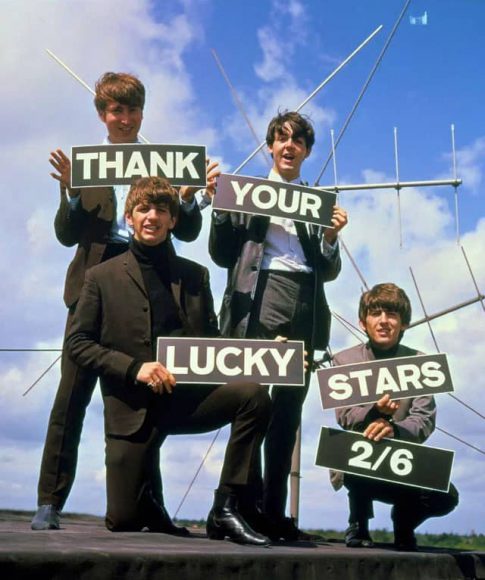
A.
pixel 111 330
pixel 89 227
pixel 237 243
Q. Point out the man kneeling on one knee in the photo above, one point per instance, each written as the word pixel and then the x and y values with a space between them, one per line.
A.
pixel 125 304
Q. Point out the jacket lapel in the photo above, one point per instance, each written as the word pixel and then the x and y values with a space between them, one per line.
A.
pixel 133 270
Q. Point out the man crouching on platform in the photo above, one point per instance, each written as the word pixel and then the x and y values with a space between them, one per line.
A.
pixel 125 304
pixel 384 315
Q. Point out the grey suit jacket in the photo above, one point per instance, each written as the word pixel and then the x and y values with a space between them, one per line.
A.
pixel 414 421
pixel 111 330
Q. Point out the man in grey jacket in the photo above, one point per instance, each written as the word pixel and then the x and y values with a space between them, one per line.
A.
pixel 384 315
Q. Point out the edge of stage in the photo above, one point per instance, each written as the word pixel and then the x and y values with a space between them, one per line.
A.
pixel 85 549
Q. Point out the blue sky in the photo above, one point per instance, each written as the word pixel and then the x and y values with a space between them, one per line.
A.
pixel 275 52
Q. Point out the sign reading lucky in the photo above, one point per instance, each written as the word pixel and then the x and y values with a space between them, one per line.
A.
pixel 367 382
pixel 274 198
pixel 219 360
pixel 106 165
pixel 389 459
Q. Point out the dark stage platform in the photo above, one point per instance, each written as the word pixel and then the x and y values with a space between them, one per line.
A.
pixel 84 549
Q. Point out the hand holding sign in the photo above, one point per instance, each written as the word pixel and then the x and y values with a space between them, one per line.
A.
pixel 386 406
pixel 62 164
pixel 339 221
pixel 379 429
pixel 157 377
pixel 212 172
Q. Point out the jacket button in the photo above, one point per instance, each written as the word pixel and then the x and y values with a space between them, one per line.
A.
pixel 146 342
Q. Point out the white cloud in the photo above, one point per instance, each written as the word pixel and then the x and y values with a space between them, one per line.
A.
pixel 470 162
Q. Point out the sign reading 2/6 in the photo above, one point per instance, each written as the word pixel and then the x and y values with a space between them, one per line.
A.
pixel 388 460
pixel 371 457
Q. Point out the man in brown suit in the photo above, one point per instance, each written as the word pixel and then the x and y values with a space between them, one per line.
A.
pixel 92 218
pixel 125 304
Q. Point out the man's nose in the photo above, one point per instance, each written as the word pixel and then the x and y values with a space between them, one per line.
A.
pixel 125 117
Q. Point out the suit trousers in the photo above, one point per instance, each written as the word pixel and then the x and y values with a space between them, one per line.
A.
pixel 130 460
pixel 411 505
pixel 59 460
pixel 283 305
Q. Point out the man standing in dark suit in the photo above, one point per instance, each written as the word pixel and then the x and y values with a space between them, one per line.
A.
pixel 92 218
pixel 384 315
pixel 125 304
pixel 276 271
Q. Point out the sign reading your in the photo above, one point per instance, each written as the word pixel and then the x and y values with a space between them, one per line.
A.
pixel 274 198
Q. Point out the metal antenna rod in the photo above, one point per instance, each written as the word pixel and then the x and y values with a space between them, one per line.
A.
pixel 480 295
pixel 429 317
pixel 398 187
pixel 80 80
pixel 461 440
pixel 353 262
pixel 437 348
pixel 424 310
pixel 384 185
pixel 318 89
pixel 182 501
pixel 41 376
pixel 334 157
pixel 239 104
pixel 453 157
pixel 348 325
pixel 365 87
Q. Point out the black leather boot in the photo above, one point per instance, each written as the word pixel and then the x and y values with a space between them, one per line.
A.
pixel 161 522
pixel 225 521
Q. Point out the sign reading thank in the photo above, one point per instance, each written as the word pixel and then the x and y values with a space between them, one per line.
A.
pixel 107 165
pixel 274 198
pixel 219 360
pixel 391 460
pixel 367 382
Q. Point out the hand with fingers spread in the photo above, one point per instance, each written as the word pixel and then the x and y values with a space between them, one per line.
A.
pixel 339 221
pixel 157 377
pixel 62 164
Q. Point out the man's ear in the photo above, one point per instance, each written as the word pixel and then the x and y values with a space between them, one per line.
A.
pixel 174 222
pixel 308 152
pixel 129 219
pixel 270 150
pixel 102 116
pixel 363 326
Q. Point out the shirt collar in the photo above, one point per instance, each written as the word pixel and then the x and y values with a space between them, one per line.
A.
pixel 275 176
